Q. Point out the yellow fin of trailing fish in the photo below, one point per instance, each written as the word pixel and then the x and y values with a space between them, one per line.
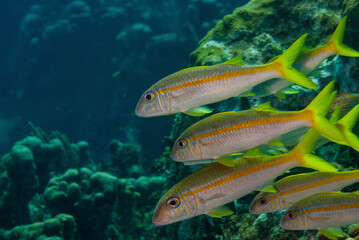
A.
pixel 336 114
pixel 346 124
pixel 280 95
pixel 220 212
pixel 269 187
pixel 255 153
pixel 236 61
pixel 319 108
pixel 303 150
pixel 271 151
pixel 265 107
pixel 336 44
pixel 332 233
pixel 229 160
pixel 248 94
pixel 198 111
pixel 276 143
pixel 285 61
pixel 289 91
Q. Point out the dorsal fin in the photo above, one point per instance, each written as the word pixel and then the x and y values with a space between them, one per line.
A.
pixel 236 60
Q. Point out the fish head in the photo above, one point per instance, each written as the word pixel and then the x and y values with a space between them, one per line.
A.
pixel 186 148
pixel 265 202
pixel 153 102
pixel 295 219
pixel 174 207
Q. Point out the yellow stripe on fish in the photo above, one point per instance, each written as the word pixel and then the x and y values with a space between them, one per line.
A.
pixel 221 134
pixel 188 89
pixel 204 191
pixel 325 211
pixel 294 188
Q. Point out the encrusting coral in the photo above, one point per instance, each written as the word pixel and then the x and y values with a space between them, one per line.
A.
pixel 61 227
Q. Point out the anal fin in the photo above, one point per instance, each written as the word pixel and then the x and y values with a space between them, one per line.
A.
pixel 332 233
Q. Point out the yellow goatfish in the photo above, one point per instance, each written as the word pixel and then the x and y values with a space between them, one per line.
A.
pixel 292 189
pixel 190 88
pixel 323 211
pixel 209 188
pixel 307 61
pixel 220 135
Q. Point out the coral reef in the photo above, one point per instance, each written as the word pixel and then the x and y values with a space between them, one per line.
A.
pixel 61 227
pixel 258 31
pixel 99 201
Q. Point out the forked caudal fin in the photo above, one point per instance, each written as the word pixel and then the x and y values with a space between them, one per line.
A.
pixel 285 61
pixel 319 108
pixel 346 124
pixel 303 154
pixel 335 42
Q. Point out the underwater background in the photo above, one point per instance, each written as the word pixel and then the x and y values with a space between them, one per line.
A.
pixel 76 161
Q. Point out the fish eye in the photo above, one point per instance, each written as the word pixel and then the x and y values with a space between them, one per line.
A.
pixel 291 215
pixel 262 201
pixel 182 143
pixel 173 202
pixel 149 96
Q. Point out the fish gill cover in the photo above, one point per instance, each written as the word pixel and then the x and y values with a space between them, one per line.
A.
pixel 80 66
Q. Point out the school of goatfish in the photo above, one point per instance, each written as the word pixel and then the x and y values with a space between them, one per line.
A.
pixel 247 150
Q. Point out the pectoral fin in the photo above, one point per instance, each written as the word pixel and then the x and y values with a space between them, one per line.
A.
pixel 214 196
pixel 198 111
pixel 220 212
pixel 332 233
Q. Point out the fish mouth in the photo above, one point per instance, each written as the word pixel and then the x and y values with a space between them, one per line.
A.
pixel 140 113
pixel 158 222
pixel 253 211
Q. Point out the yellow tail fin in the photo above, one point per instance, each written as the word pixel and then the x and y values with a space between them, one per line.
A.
pixel 303 153
pixel 319 108
pixel 335 42
pixel 286 60
pixel 346 124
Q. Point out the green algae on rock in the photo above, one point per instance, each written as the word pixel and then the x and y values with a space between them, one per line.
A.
pixel 234 34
